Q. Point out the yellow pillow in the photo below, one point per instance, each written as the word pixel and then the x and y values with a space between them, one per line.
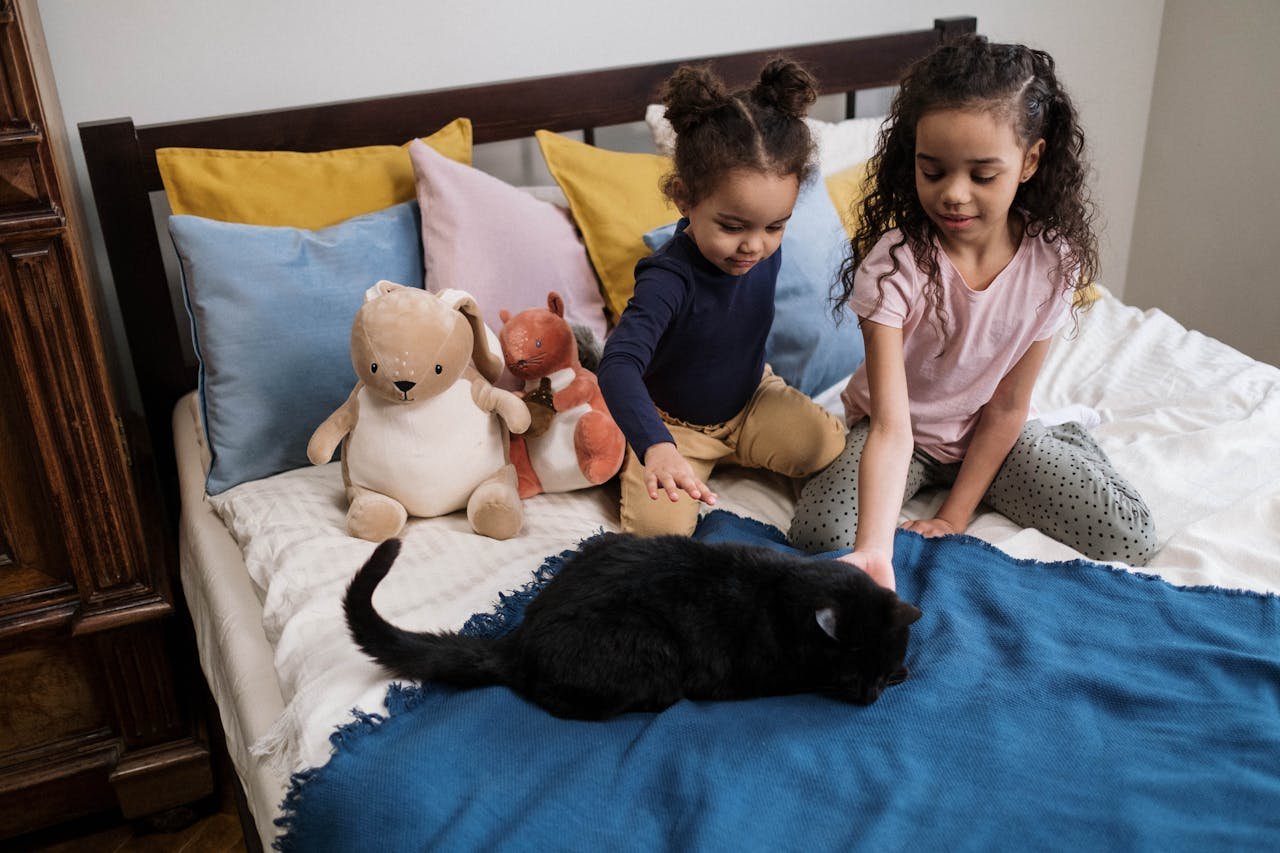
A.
pixel 845 189
pixel 302 190
pixel 1087 295
pixel 615 199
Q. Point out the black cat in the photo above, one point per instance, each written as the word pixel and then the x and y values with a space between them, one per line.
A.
pixel 636 624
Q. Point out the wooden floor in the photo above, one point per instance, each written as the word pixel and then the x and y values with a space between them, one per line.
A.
pixel 218 831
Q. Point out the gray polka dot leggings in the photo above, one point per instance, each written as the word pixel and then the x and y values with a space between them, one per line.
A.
pixel 1055 479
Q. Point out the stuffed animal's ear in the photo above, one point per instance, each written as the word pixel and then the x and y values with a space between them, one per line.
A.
pixel 555 303
pixel 504 315
pixel 382 288
pixel 485 350
pixel 826 618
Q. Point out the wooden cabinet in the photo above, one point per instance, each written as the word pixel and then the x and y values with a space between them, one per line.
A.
pixel 95 711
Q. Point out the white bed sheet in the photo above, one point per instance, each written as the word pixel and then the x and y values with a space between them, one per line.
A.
pixel 1194 424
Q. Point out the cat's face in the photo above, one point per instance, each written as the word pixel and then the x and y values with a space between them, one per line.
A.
pixel 872 640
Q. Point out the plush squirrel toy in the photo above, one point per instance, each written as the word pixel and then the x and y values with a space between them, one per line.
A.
pixel 424 432
pixel 573 441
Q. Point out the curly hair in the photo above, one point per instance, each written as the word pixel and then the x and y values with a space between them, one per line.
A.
pixel 1014 83
pixel 717 131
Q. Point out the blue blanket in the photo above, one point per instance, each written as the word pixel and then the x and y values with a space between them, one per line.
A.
pixel 1050 706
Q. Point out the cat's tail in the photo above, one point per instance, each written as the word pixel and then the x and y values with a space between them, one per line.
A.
pixel 421 656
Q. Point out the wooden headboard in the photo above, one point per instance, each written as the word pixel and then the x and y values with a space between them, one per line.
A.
pixel 120 157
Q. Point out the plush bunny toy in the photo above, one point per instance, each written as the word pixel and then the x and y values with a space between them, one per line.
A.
pixel 424 432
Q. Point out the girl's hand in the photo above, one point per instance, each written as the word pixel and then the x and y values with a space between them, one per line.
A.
pixel 877 564
pixel 666 469
pixel 930 527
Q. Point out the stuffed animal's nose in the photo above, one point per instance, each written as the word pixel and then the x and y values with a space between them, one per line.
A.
pixel 405 386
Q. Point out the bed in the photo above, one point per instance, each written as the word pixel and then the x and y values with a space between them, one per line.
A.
pixel 1194 424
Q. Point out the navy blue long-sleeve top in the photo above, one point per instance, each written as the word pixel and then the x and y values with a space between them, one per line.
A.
pixel 690 342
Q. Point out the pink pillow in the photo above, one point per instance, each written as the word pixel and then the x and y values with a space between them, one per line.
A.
pixel 500 244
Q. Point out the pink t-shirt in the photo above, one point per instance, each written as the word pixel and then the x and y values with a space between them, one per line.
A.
pixel 988 331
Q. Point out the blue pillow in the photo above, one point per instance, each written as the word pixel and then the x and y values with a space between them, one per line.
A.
pixel 805 347
pixel 271 311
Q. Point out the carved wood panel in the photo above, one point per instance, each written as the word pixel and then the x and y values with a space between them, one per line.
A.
pixel 93 711
pixel 48 699
pixel 18 105
pixel 34 570
pixel 139 671
pixel 67 399
pixel 24 192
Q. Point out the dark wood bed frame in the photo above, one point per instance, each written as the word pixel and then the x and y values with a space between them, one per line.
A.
pixel 120 157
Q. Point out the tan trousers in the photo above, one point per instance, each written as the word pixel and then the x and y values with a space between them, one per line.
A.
pixel 780 429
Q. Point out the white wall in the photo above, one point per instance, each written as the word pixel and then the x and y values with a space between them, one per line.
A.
pixel 1204 245
pixel 165 60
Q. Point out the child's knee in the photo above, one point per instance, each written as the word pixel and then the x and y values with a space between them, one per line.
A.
pixel 1138 541
pixel 801 446
pixel 830 443
pixel 640 514
pixel 826 514
pixel 819 528
pixel 1126 537
pixel 645 516
pixel 820 439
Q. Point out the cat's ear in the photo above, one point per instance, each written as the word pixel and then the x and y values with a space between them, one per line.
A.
pixel 904 614
pixel 826 618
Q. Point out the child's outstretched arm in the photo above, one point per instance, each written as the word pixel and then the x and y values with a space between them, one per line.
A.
pixel 998 427
pixel 627 354
pixel 882 472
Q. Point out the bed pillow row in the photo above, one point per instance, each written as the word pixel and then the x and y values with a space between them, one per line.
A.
pixel 840 144
pixel 271 306
pixel 313 189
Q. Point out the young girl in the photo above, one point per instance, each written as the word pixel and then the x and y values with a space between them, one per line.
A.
pixel 683 373
pixel 975 238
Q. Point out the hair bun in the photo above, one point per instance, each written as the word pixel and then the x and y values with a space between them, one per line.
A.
pixel 691 95
pixel 786 86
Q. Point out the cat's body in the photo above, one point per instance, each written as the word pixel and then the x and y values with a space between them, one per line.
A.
pixel 636 624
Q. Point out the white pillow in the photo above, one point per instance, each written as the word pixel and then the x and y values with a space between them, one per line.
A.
pixel 664 135
pixel 841 144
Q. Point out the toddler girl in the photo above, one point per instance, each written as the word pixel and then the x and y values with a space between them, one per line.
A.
pixel 684 373
pixel 975 239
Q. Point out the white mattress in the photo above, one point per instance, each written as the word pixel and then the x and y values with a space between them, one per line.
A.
pixel 1193 424
pixel 226 609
